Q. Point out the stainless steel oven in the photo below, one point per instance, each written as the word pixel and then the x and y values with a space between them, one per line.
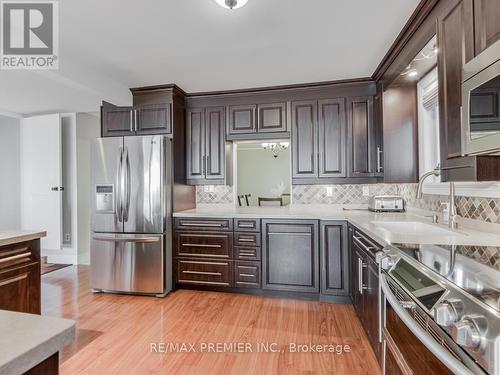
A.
pixel 414 341
pixel 481 103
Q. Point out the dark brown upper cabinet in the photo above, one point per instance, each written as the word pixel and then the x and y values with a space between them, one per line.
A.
pixel 153 119
pixel 242 119
pixel 361 136
pixel 116 121
pixel 206 146
pixel 332 138
pixel 486 25
pixel 305 139
pixel 152 112
pixel 456 46
pixel 271 118
pixel 257 121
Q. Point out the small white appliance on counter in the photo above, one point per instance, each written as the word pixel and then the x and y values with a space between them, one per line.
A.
pixel 386 203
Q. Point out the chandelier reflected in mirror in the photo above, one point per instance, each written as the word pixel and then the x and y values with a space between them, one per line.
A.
pixel 276 147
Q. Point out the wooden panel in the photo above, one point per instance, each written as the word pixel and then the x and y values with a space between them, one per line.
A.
pixel 247 239
pixel 247 225
pixel 400 135
pixel 242 119
pixel 18 254
pixel 201 272
pixel 116 121
pixel 154 119
pixel 290 255
pixel 215 143
pixel 195 144
pixel 450 62
pixel 334 257
pixel 247 274
pixel 247 253
pixel 332 138
pixel 304 139
pixel 272 117
pixel 203 224
pixel 50 366
pixel 360 117
pixel 20 288
pixel 203 245
pixel 486 25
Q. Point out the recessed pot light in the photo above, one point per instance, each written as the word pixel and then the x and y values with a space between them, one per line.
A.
pixel 231 4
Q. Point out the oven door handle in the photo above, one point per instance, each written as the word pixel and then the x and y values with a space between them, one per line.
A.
pixel 441 353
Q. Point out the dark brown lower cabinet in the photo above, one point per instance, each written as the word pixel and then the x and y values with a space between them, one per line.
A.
pixel 290 255
pixel 334 258
pixel 20 277
pixel 365 291
pixel 205 272
pixel 246 274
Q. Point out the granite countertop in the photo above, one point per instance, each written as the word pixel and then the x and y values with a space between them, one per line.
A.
pixel 28 339
pixel 367 221
pixel 16 236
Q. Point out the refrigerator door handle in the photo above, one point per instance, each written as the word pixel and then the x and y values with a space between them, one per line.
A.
pixel 127 186
pixel 119 184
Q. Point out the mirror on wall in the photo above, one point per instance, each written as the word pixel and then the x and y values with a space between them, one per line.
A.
pixel 263 173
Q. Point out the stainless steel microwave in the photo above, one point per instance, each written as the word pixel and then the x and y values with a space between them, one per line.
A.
pixel 481 103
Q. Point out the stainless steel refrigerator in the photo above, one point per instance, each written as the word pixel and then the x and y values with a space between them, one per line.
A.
pixel 131 247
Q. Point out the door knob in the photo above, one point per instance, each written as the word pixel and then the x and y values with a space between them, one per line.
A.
pixel 57 188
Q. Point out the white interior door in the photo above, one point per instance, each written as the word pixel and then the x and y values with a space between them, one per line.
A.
pixel 41 176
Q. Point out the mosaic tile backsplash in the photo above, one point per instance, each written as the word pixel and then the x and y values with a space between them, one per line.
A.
pixel 486 209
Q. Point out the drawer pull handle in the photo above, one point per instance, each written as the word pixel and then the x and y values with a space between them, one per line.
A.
pixel 246 275
pixel 246 226
pixel 14 257
pixel 201 225
pixel 14 279
pixel 206 263
pixel 203 273
pixel 290 234
pixel 204 255
pixel 246 240
pixel 201 245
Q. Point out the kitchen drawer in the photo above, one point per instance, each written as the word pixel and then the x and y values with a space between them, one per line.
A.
pixel 247 274
pixel 247 253
pixel 247 225
pixel 247 239
pixel 200 272
pixel 204 224
pixel 19 253
pixel 204 245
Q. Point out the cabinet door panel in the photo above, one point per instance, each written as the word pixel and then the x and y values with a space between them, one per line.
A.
pixel 195 144
pixel 450 62
pixel 486 25
pixel 215 143
pixel 116 121
pixel 205 272
pixel 334 256
pixel 332 126
pixel 20 289
pixel 247 274
pixel 290 257
pixel 154 119
pixel 242 119
pixel 272 117
pixel 361 135
pixel 304 139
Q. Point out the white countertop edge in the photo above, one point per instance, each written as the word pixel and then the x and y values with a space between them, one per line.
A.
pixel 59 332
pixel 474 236
pixel 10 237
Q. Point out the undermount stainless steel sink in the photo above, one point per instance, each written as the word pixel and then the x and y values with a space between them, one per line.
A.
pixel 415 228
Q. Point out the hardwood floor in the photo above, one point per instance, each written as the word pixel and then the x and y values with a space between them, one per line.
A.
pixel 115 332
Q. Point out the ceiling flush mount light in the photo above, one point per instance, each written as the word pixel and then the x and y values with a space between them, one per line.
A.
pixel 231 4
pixel 276 148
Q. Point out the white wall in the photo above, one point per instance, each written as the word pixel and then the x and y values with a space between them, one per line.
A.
pixel 10 176
pixel 87 129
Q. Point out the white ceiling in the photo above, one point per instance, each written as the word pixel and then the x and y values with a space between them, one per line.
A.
pixel 108 46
